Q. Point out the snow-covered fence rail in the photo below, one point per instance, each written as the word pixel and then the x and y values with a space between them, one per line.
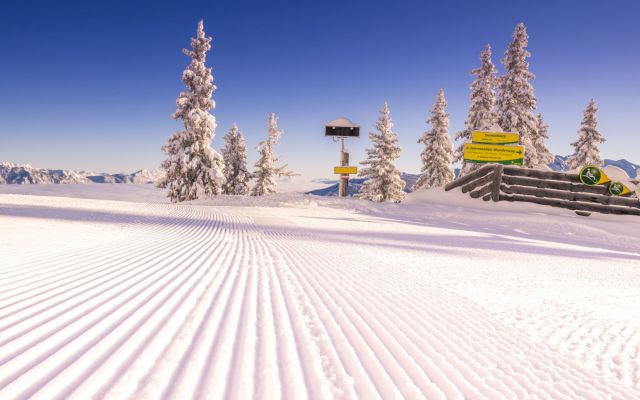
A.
pixel 475 182
pixel 557 189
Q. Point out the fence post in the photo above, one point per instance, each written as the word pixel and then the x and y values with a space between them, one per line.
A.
pixel 497 180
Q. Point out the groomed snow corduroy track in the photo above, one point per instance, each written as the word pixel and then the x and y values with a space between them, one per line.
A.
pixel 124 300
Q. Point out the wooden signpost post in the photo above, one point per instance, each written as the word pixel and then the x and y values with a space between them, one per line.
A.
pixel 341 128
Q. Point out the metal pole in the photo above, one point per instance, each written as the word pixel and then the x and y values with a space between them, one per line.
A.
pixel 344 178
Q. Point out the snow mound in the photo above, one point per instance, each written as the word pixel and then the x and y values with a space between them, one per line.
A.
pixel 616 173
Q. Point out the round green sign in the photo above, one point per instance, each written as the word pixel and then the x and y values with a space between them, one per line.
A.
pixel 590 175
pixel 616 189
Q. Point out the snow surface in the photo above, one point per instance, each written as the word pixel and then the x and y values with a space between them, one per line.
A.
pixel 342 122
pixel 302 296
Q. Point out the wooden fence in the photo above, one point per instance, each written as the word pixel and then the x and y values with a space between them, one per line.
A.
pixel 558 189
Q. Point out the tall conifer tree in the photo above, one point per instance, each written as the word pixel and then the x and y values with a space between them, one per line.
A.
pixel 586 147
pixel 383 178
pixel 235 163
pixel 544 155
pixel 516 100
pixel 437 156
pixel 266 172
pixel 192 165
pixel 481 114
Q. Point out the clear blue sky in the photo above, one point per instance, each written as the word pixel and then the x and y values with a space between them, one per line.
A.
pixel 92 85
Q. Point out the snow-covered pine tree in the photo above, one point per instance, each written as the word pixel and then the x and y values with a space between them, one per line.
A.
pixel 544 155
pixel 481 114
pixel 383 178
pixel 437 156
pixel 586 146
pixel 516 100
pixel 235 163
pixel 192 165
pixel 267 172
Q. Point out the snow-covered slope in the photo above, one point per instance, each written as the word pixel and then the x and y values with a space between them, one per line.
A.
pixel 440 297
pixel 26 174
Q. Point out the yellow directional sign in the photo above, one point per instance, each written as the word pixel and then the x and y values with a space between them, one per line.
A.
pixel 483 137
pixel 345 170
pixel 489 153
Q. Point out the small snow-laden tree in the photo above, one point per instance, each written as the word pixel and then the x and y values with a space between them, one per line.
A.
pixel 516 100
pixel 383 178
pixel 586 147
pixel 235 163
pixel 192 165
pixel 481 114
pixel 266 172
pixel 541 134
pixel 437 156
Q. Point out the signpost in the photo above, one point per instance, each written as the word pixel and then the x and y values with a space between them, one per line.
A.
pixel 491 153
pixel 482 137
pixel 340 128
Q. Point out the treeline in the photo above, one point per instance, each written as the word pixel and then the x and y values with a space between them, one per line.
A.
pixel 500 103
pixel 504 103
pixel 192 166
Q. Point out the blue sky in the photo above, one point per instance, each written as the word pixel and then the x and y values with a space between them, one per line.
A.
pixel 93 85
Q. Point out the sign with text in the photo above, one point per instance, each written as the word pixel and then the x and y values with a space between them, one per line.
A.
pixel 345 170
pixel 488 153
pixel 482 137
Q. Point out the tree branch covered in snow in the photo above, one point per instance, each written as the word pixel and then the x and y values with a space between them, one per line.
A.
pixel 437 156
pixel 383 183
pixel 192 165
pixel 544 155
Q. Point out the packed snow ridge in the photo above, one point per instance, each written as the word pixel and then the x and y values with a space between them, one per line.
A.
pixel 26 174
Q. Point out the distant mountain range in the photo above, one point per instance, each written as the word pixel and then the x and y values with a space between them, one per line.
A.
pixel 559 164
pixel 26 174
pixel 356 183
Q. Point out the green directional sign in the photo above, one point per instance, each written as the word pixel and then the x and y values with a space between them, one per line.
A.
pixel 592 175
pixel 619 189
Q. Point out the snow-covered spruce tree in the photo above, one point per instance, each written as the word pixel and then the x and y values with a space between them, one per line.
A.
pixel 266 172
pixel 589 137
pixel 481 114
pixel 235 163
pixel 383 178
pixel 192 165
pixel 437 156
pixel 544 155
pixel 516 100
